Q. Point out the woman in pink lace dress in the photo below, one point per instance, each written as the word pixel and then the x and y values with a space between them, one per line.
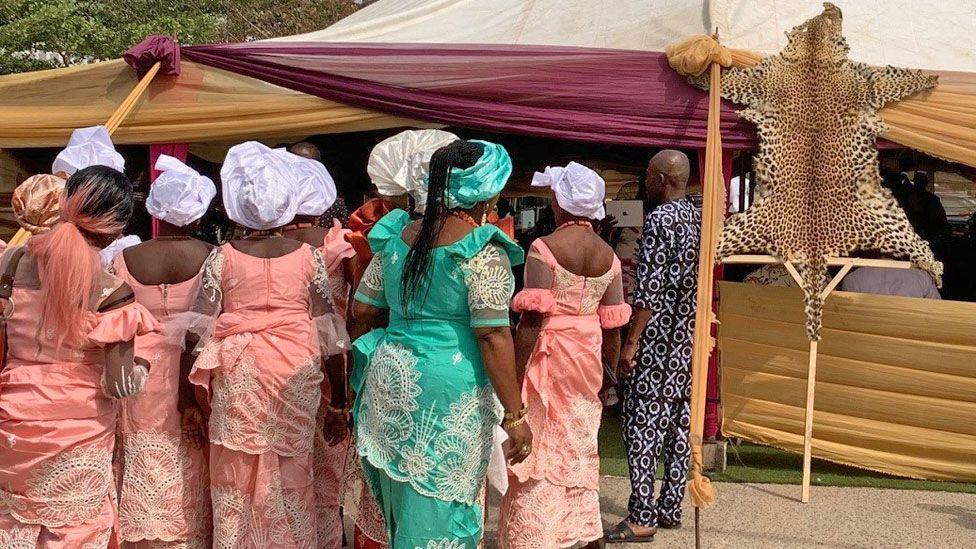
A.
pixel 329 456
pixel 261 360
pixel 572 307
pixel 70 356
pixel 165 499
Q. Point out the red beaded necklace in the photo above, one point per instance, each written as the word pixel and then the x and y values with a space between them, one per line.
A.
pixel 270 233
pixel 579 222
pixel 173 237
pixel 297 226
pixel 464 217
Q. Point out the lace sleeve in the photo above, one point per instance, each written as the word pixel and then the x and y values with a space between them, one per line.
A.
pixel 115 332
pixel 330 326
pixel 613 312
pixel 200 320
pixel 537 296
pixel 370 290
pixel 488 276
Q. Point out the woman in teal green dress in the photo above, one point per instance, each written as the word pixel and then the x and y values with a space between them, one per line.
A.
pixel 435 382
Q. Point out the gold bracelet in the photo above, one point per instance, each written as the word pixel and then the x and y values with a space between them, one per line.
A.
pixel 511 416
pixel 510 424
pixel 334 410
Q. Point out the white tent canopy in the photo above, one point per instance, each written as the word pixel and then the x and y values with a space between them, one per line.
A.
pixel 928 34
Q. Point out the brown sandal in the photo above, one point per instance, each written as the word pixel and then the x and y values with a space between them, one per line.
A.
pixel 622 533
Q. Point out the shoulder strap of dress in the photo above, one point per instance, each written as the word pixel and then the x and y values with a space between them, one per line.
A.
pixel 475 241
pixel 542 251
pixel 120 268
pixel 616 267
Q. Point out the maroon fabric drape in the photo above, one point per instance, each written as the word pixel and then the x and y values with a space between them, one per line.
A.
pixel 596 95
pixel 154 49
pixel 177 151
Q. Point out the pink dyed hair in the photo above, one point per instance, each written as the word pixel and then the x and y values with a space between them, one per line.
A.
pixel 68 266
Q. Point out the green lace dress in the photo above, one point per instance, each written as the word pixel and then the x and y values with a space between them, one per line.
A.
pixel 425 410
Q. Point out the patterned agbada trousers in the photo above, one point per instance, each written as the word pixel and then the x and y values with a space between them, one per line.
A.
pixel 656 394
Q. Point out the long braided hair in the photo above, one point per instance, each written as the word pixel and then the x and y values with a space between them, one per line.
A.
pixel 416 270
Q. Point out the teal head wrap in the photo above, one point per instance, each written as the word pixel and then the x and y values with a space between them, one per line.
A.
pixel 466 188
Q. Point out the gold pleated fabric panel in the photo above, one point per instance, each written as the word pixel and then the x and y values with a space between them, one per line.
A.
pixel 203 104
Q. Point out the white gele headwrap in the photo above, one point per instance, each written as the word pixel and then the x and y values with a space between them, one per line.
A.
pixel 578 189
pixel 108 253
pixel 88 147
pixel 259 190
pixel 315 185
pixel 398 165
pixel 180 195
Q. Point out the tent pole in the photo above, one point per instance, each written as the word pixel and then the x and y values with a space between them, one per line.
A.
pixel 130 101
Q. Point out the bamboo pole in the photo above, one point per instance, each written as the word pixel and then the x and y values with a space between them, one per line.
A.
pixel 113 123
pixel 130 101
pixel 808 422
pixel 19 238
pixel 831 261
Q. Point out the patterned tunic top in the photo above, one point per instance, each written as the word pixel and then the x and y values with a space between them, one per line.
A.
pixel 667 284
pixel 425 409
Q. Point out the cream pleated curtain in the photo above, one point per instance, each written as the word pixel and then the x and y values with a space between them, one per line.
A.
pixel 896 383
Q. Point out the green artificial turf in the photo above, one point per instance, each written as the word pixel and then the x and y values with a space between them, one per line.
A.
pixel 749 462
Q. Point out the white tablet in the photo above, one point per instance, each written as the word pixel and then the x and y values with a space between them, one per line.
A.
pixel 629 213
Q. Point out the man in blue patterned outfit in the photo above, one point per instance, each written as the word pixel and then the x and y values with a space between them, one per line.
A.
pixel 656 358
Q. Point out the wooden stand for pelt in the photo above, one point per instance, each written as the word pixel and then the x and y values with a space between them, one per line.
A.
pixel 846 264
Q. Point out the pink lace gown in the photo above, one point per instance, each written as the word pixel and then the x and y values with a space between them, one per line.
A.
pixel 553 496
pixel 261 368
pixel 330 461
pixel 164 497
pixel 58 422
pixel 338 477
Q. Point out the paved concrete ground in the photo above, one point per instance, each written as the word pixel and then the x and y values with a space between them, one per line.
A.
pixel 771 516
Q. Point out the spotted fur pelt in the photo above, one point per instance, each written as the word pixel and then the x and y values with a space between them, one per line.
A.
pixel 820 194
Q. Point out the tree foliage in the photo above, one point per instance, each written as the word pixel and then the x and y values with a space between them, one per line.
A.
pixel 40 34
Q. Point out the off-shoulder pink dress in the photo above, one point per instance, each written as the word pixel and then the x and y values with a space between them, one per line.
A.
pixel 58 422
pixel 165 496
pixel 553 496
pixel 338 475
pixel 330 461
pixel 261 368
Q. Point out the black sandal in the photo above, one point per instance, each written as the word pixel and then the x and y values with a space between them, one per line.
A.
pixel 622 533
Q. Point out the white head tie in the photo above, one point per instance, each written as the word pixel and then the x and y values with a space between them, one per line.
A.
pixel 180 195
pixel 259 190
pixel 315 185
pixel 399 164
pixel 88 147
pixel 578 189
